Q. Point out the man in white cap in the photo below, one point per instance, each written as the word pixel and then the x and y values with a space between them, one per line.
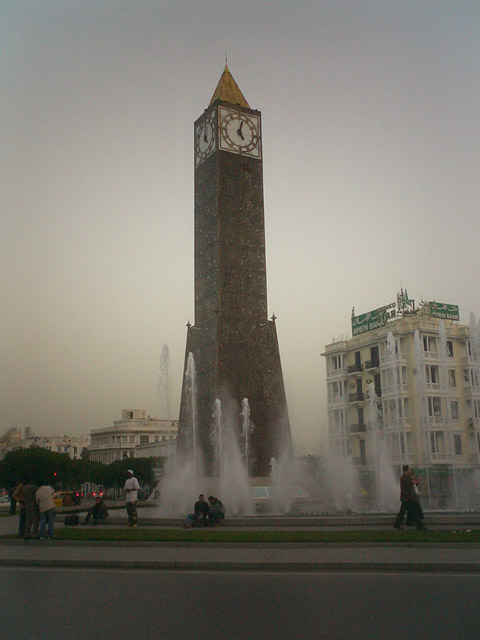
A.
pixel 131 493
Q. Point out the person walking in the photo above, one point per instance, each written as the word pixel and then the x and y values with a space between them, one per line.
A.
pixel 407 499
pixel 131 495
pixel 29 491
pixel 46 506
pixel 416 496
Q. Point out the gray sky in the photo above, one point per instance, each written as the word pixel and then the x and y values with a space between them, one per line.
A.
pixel 371 122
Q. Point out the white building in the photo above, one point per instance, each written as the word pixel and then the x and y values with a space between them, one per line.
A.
pixel 135 429
pixel 72 446
pixel 410 378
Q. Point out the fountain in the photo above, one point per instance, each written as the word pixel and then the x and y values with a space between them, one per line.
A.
pixel 386 485
pixel 247 430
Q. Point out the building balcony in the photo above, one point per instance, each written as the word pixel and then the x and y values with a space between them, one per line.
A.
pixel 431 355
pixel 387 361
pixel 395 423
pixel 354 368
pixel 372 364
pixel 336 373
pixel 471 391
pixel 336 402
pixel 359 462
pixel 358 428
pixel 441 456
pixel 436 386
pixel 395 390
pixel 356 397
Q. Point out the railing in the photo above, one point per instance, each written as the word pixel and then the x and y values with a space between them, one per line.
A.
pixel 386 361
pixel 470 390
pixel 440 456
pixel 431 355
pixel 359 462
pixel 354 368
pixel 356 397
pixel 435 386
pixel 372 364
pixel 335 402
pixel 393 423
pixel 393 390
pixel 358 428
pixel 437 420
pixel 337 373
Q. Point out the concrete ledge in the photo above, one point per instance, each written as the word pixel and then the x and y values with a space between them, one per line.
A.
pixel 377 567
pixel 237 545
pixel 296 522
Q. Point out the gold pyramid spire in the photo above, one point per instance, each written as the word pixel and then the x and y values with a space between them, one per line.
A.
pixel 228 90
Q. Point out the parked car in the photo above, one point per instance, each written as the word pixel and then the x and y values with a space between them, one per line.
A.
pixel 4 502
pixel 66 499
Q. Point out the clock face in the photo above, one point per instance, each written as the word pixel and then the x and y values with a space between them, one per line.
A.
pixel 239 132
pixel 205 139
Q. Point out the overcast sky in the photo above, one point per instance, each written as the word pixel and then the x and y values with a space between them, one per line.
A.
pixel 371 121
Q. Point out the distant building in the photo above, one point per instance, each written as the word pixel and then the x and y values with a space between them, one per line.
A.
pixel 72 446
pixel 135 429
pixel 409 377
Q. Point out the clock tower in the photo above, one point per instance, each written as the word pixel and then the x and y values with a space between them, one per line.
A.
pixel 234 344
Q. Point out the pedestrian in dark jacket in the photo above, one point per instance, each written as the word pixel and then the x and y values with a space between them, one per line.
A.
pixel 32 512
pixel 17 494
pixel 407 499
pixel 98 511
pixel 200 512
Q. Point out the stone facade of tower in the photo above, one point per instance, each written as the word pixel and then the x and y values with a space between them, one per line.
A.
pixel 233 342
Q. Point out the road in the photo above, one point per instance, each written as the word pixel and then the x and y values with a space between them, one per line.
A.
pixel 138 605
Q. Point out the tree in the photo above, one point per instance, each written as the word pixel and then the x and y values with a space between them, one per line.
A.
pixel 39 465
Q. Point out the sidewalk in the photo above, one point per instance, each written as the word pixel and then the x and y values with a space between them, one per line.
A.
pixel 223 557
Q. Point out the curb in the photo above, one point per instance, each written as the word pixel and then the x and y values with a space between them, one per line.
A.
pixel 310 567
pixel 238 545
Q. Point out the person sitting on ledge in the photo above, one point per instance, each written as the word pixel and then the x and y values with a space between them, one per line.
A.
pixel 216 513
pixel 98 511
pixel 200 513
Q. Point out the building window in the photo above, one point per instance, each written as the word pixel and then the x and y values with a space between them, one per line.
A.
pixel 457 444
pixel 450 348
pixel 434 407
pixel 454 409
pixel 437 441
pixel 130 415
pixel 452 380
pixel 430 344
pixel 335 363
pixel 432 374
pixel 144 439
pixel 476 409
pixel 474 377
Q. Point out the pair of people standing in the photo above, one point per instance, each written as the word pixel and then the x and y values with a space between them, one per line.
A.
pixel 37 510
pixel 409 500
